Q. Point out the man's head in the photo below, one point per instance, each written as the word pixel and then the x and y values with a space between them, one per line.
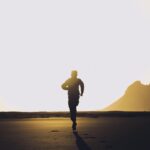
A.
pixel 74 74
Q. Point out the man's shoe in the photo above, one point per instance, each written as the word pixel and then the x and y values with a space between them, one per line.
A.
pixel 74 126
pixel 75 131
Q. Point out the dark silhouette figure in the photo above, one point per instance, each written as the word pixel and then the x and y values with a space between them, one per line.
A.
pixel 81 144
pixel 72 85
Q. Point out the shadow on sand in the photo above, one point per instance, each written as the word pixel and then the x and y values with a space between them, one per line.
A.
pixel 81 144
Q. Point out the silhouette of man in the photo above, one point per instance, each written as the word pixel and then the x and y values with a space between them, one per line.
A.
pixel 72 85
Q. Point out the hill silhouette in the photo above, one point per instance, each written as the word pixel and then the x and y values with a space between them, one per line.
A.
pixel 136 98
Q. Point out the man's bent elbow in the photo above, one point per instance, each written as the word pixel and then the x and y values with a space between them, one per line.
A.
pixel 64 87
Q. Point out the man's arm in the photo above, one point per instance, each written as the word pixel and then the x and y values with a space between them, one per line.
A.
pixel 82 87
pixel 65 85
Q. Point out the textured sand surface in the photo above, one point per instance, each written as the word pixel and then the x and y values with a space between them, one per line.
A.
pixel 103 133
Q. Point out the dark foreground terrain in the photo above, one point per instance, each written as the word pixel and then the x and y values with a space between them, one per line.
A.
pixel 99 133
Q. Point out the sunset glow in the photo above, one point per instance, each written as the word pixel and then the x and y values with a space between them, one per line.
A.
pixel 42 41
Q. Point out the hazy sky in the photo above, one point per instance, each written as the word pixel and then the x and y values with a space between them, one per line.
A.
pixel 41 41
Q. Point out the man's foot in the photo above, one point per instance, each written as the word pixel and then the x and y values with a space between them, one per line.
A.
pixel 75 131
pixel 74 126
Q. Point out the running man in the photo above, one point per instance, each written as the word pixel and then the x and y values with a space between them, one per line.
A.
pixel 72 85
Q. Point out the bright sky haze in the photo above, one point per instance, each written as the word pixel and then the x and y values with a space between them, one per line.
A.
pixel 41 42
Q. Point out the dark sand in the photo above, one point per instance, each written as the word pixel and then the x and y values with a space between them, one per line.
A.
pixel 103 133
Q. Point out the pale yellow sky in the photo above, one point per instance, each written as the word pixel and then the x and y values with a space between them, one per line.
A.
pixel 42 41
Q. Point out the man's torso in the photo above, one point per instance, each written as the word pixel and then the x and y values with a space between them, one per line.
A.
pixel 73 85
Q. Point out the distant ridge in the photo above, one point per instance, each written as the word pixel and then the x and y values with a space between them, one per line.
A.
pixel 136 98
pixel 89 114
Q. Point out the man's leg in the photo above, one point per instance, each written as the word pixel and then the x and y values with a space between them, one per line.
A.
pixel 73 102
pixel 73 115
pixel 74 118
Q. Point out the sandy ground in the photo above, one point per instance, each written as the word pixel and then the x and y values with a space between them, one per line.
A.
pixel 103 133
